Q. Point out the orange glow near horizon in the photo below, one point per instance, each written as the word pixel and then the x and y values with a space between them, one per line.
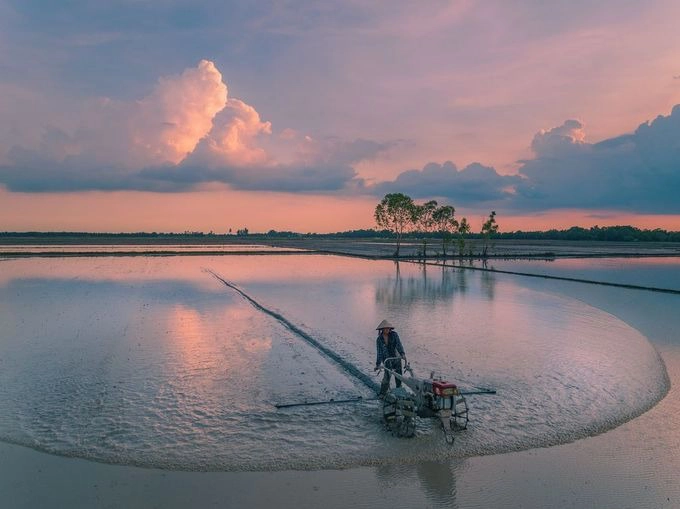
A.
pixel 249 138
pixel 127 211
pixel 220 210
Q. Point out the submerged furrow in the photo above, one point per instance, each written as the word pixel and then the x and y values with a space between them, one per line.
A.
pixel 343 363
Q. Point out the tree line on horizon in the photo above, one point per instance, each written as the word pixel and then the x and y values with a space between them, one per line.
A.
pixel 399 214
pixel 625 233
pixel 595 233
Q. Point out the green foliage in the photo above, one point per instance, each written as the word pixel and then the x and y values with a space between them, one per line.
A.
pixel 283 234
pixel 605 233
pixel 463 230
pixel 575 233
pixel 489 228
pixel 423 220
pixel 445 224
pixel 395 213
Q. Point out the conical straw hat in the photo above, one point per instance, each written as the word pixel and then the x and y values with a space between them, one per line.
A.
pixel 384 325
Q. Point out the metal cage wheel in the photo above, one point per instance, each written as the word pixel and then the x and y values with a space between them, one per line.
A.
pixel 399 415
pixel 459 416
pixel 406 427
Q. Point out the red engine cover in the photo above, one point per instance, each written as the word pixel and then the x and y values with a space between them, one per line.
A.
pixel 444 388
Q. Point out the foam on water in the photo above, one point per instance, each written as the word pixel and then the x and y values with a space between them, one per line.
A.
pixel 153 362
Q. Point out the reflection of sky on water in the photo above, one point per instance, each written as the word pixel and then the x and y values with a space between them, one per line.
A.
pixel 661 272
pixel 438 480
pixel 634 465
pixel 104 356
pixel 434 284
pixel 540 350
pixel 137 248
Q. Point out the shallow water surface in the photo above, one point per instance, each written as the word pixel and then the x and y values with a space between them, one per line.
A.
pixel 155 362
pixel 659 272
pixel 138 248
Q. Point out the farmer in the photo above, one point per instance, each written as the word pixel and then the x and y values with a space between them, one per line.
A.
pixel 388 345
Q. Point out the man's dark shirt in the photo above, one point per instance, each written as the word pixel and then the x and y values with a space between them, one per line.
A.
pixel 385 351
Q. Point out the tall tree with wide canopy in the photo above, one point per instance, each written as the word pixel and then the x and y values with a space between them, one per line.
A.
pixel 445 223
pixel 395 213
pixel 423 219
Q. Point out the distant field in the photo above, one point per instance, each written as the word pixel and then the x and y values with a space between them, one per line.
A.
pixel 93 245
pixel 498 248
pixel 115 239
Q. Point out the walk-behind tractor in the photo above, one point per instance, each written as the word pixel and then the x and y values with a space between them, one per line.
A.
pixel 423 397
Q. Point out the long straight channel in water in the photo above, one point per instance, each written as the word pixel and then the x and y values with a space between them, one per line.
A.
pixel 343 363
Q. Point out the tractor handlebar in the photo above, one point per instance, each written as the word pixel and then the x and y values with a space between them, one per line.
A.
pixel 407 366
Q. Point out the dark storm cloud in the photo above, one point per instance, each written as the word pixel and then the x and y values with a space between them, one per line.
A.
pixel 29 172
pixel 32 172
pixel 639 172
pixel 287 178
pixel 471 185
pixel 37 176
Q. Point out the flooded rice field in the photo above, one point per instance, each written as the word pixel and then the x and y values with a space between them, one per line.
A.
pixel 66 249
pixel 155 362
pixel 656 271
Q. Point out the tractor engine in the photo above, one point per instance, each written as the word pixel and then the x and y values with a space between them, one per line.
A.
pixel 443 393
pixel 425 398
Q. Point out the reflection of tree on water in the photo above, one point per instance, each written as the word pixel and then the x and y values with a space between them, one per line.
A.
pixel 487 278
pixel 431 283
pixel 488 284
pixel 437 480
pixel 434 284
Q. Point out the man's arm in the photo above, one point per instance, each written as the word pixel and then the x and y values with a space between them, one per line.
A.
pixel 397 344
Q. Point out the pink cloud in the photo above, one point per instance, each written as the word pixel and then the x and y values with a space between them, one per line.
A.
pixel 160 128
pixel 169 123
pixel 188 131
pixel 233 139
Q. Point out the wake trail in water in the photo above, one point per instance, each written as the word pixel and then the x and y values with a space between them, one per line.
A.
pixel 343 363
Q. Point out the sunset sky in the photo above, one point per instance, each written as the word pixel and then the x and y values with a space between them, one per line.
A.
pixel 160 115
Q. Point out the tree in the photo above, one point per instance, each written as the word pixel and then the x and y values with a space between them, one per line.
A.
pixel 488 229
pixel 463 229
pixel 423 220
pixel 445 224
pixel 395 213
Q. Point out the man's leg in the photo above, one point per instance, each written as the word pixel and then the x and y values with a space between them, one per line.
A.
pixel 397 368
pixel 385 384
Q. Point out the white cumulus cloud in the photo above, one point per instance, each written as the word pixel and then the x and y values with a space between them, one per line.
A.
pixel 233 140
pixel 168 124
pixel 187 131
